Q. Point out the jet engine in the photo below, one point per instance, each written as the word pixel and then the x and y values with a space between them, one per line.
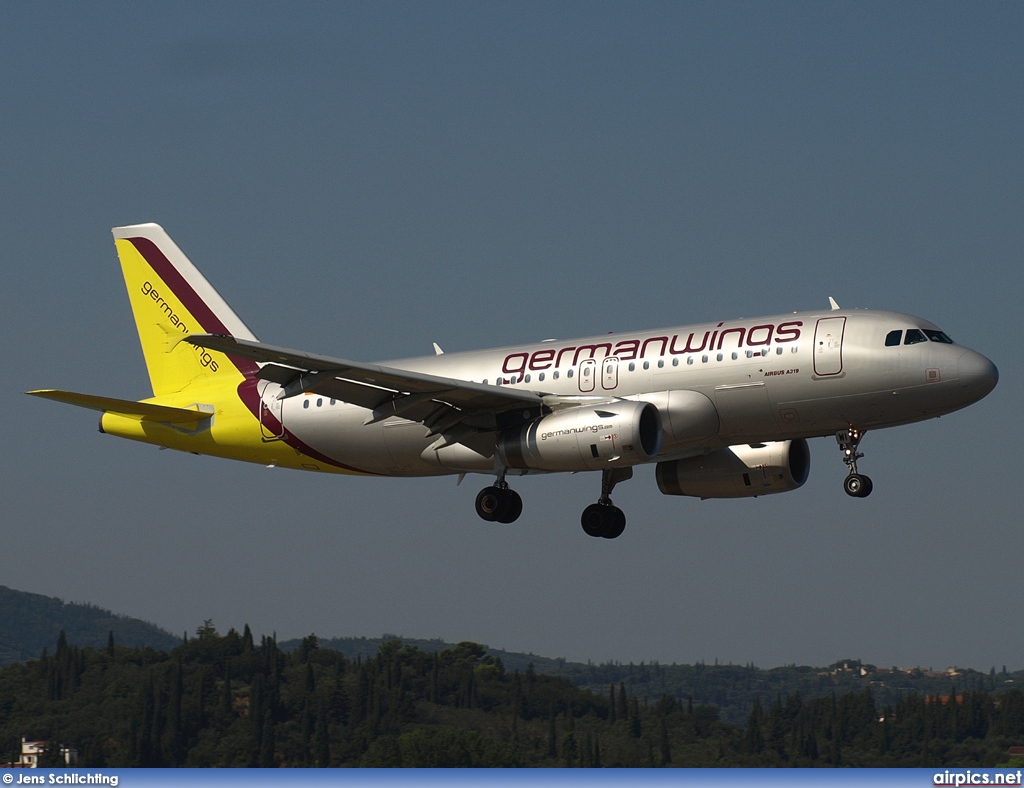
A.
pixel 741 471
pixel 589 437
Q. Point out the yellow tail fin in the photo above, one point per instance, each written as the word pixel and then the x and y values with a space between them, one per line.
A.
pixel 170 300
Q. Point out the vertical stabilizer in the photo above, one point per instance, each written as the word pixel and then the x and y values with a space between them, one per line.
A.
pixel 170 300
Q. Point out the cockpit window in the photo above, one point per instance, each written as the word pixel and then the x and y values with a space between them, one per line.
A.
pixel 914 335
pixel 892 339
pixel 938 336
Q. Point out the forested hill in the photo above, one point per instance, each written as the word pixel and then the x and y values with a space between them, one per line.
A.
pixel 228 701
pixel 31 622
pixel 513 660
pixel 732 689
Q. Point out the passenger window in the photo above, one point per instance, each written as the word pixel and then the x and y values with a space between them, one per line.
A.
pixel 540 377
pixel 568 373
pixel 892 339
pixel 914 336
pixel 938 336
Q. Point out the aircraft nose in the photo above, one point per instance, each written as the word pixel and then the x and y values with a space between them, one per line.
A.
pixel 977 373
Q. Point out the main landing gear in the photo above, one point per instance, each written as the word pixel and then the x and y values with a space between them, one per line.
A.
pixel 855 484
pixel 500 503
pixel 604 519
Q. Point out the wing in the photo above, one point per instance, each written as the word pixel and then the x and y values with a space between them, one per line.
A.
pixel 443 405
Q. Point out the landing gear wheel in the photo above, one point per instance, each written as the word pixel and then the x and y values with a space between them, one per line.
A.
pixel 603 520
pixel 858 485
pixel 499 505
pixel 488 503
pixel 593 520
pixel 511 508
pixel 618 524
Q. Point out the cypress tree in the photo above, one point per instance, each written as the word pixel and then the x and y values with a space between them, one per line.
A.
pixel 568 740
pixel 620 710
pixel 267 741
pixel 753 738
pixel 321 739
pixel 226 699
pixel 634 718
pixel 174 698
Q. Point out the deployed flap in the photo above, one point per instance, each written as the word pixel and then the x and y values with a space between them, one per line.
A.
pixel 142 410
pixel 369 385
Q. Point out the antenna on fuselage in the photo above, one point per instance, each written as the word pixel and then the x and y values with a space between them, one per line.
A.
pixel 832 301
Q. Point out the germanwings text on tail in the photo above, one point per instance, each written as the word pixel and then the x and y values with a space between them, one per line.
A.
pixel 722 410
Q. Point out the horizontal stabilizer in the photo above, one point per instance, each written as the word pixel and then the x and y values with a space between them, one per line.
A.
pixel 143 410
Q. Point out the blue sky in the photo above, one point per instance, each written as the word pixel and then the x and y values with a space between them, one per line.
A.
pixel 363 179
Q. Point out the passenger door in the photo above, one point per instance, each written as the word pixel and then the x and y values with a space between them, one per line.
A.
pixel 828 346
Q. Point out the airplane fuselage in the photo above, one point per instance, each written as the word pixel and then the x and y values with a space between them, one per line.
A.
pixel 773 378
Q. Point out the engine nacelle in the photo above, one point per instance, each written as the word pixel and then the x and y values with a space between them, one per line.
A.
pixel 588 437
pixel 738 471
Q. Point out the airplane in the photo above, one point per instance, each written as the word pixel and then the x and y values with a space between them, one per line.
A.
pixel 723 410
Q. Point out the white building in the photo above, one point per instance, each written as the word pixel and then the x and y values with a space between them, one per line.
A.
pixel 32 751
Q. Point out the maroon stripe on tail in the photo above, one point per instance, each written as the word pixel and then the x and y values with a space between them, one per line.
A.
pixel 190 299
pixel 212 324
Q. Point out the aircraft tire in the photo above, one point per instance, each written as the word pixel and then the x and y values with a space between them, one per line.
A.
pixel 511 507
pixel 488 503
pixel 857 486
pixel 594 519
pixel 617 524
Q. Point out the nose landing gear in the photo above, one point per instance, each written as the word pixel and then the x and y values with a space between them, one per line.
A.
pixel 856 484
